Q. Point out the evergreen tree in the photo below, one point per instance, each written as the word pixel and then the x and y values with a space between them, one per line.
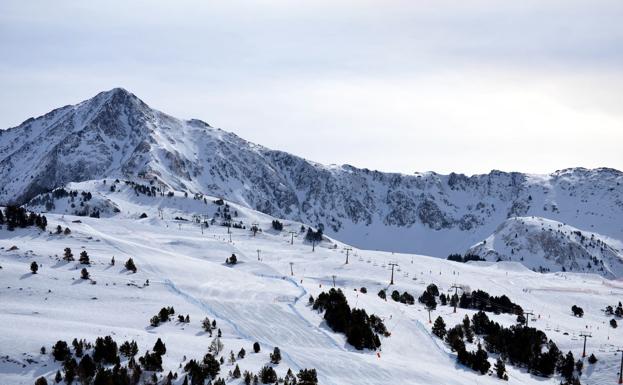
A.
pixel 68 256
pixel 84 273
pixel 433 290
pixel 159 347
pixel 211 365
pixel 577 311
pixel 521 320
pixel 71 368
pixel 163 314
pixel 103 377
pixel 592 359
pixel 439 327
pixel 275 356
pixel 105 350
pixel 154 321
pixel 256 347
pixel 395 295
pixel 248 377
pixel 241 353
pixel 86 369
pixel 289 379
pixel 454 338
pixel 480 361
pixel 467 328
pixel 382 294
pixel 231 260
pixel 58 378
pixel 84 258
pixel 78 347
pixel 216 346
pixel 500 369
pixel 41 381
pixel 60 351
pixel 307 377
pixel 206 325
pixel 34 267
pixel 236 372
pixel 129 349
pixel 129 265
pixel 151 362
pixel 267 375
pixel 566 366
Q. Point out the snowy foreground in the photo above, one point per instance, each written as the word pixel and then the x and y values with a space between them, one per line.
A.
pixel 259 300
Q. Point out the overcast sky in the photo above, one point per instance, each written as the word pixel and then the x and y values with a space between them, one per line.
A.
pixel 465 86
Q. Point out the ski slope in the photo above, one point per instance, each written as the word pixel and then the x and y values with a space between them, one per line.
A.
pixel 259 300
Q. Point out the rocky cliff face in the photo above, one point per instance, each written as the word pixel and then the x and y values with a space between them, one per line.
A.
pixel 115 135
pixel 545 245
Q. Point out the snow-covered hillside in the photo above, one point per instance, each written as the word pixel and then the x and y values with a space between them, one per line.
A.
pixel 116 135
pixel 546 245
pixel 263 297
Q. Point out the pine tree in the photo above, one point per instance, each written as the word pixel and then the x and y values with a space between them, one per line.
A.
pixel 154 321
pixel 241 353
pixel 41 381
pixel 68 256
pixel 275 356
pixel 163 314
pixel 439 327
pixel 268 375
pixel 236 372
pixel 206 325
pixel 247 377
pixel 60 351
pixel 256 347
pixel 86 368
pixel 71 367
pixel 129 265
pixel 211 365
pixel 34 267
pixel 500 369
pixel 216 346
pixel 307 377
pixel 84 273
pixel 592 359
pixel 159 347
pixel 84 258
pixel 382 294
pixel 566 366
pixel 467 328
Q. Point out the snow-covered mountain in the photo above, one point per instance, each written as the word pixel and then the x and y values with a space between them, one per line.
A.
pixel 116 135
pixel 263 298
pixel 544 245
pixel 119 180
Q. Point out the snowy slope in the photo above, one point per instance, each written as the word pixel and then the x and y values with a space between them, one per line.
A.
pixel 546 245
pixel 116 135
pixel 258 300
